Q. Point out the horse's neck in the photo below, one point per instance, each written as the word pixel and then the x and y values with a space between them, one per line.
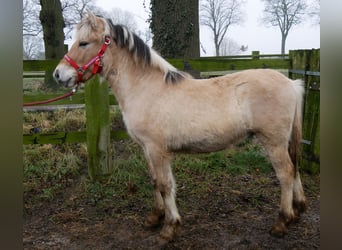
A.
pixel 128 81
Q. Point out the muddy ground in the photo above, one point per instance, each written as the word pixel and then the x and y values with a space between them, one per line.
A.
pixel 220 218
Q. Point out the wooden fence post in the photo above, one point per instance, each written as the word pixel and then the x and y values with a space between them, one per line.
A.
pixel 255 55
pixel 98 129
pixel 305 64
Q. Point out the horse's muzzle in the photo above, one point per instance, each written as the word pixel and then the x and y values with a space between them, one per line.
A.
pixel 64 75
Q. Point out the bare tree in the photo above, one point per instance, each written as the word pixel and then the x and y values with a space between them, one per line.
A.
pixel 219 15
pixel 31 22
pixel 284 14
pixel 146 35
pixel 314 11
pixel 126 18
pixel 32 30
pixel 229 47
pixel 32 47
pixel 73 11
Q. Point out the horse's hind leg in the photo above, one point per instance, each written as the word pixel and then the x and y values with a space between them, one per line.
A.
pixel 285 172
pixel 164 193
pixel 299 201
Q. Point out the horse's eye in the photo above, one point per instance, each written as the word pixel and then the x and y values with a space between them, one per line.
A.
pixel 83 44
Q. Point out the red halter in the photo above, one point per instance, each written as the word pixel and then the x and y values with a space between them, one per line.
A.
pixel 96 60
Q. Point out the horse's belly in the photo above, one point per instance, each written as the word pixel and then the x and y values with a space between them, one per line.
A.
pixel 196 147
pixel 202 144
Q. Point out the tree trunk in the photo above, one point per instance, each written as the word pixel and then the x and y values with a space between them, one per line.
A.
pixel 52 22
pixel 175 26
pixel 283 41
pixel 217 46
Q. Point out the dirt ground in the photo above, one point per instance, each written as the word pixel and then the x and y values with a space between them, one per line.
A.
pixel 221 218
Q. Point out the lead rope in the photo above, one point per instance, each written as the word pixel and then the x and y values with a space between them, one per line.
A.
pixel 70 93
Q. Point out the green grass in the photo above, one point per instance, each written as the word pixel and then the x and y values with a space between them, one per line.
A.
pixel 49 169
pixel 242 160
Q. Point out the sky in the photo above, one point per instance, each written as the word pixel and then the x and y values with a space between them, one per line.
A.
pixel 251 32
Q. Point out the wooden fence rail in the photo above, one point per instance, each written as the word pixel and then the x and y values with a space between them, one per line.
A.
pixel 298 64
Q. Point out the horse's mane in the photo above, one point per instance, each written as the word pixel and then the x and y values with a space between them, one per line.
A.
pixel 141 53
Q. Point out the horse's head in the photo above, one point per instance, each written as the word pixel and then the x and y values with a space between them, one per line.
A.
pixel 85 57
pixel 96 35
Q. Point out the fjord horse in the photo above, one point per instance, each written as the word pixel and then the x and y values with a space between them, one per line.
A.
pixel 166 111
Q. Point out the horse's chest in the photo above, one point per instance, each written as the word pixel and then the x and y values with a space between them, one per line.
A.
pixel 135 126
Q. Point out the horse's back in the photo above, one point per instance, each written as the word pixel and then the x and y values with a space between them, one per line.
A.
pixel 265 78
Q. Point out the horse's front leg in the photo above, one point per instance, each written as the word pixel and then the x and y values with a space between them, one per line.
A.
pixel 164 193
pixel 155 218
pixel 167 189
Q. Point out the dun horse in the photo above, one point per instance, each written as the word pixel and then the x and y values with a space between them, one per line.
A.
pixel 168 112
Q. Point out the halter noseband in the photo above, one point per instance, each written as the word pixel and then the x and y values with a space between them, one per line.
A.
pixel 96 60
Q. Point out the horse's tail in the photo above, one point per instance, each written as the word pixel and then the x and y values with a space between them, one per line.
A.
pixel 296 135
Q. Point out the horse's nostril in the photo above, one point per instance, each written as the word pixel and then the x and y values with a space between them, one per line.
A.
pixel 57 74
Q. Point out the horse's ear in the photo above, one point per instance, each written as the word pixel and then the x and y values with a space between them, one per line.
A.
pixel 90 19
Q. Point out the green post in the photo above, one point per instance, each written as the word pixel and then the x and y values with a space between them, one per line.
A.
pixel 255 55
pixel 98 129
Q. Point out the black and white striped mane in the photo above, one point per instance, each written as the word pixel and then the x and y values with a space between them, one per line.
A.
pixel 141 53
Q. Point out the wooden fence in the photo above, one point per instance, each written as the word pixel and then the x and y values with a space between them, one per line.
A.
pixel 298 64
pixel 305 64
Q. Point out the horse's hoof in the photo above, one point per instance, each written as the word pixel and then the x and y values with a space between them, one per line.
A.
pixel 169 231
pixel 299 207
pixel 153 220
pixel 278 230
